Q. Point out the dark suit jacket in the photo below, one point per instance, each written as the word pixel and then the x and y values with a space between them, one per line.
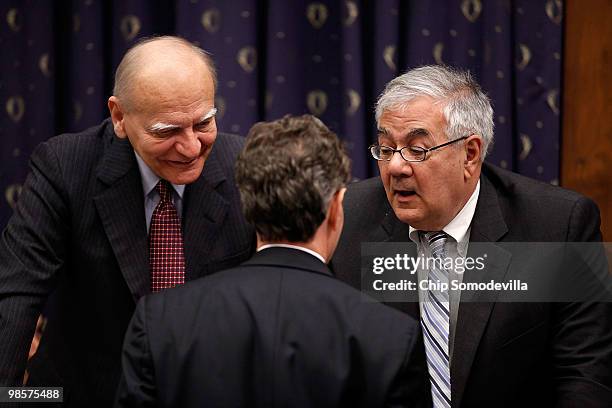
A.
pixel 507 354
pixel 79 229
pixel 277 331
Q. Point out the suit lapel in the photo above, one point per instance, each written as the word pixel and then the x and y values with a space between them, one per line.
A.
pixel 203 214
pixel 121 210
pixel 488 226
pixel 393 230
pixel 204 209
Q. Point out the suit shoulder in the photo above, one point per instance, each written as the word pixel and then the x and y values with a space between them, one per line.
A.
pixel 228 144
pixel 74 156
pixel 226 150
pixel 372 186
pixel 223 282
pixel 82 145
pixel 366 196
pixel 518 187
pixel 561 214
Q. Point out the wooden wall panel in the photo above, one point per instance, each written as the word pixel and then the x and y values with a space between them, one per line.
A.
pixel 586 158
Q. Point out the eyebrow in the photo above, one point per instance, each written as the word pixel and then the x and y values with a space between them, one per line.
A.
pixel 412 133
pixel 418 132
pixel 165 127
pixel 212 112
pixel 161 127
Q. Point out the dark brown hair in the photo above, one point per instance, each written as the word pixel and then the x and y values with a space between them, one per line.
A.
pixel 287 174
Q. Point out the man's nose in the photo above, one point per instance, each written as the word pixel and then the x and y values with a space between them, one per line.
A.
pixel 189 144
pixel 398 166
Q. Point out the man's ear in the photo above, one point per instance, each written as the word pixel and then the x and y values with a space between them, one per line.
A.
pixel 473 155
pixel 335 212
pixel 117 116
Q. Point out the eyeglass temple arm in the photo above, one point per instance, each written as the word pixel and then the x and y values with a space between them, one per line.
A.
pixel 446 144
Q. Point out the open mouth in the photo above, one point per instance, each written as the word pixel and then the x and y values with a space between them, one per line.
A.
pixel 405 193
pixel 183 163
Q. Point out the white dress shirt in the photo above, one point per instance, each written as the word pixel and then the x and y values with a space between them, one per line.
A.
pixel 299 248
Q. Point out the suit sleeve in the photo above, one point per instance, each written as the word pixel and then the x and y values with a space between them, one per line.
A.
pixel 32 252
pixel 137 383
pixel 582 336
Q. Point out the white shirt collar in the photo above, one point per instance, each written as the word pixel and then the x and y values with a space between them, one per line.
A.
pixel 299 248
pixel 150 179
pixel 460 225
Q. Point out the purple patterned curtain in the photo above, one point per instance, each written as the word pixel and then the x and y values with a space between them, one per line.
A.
pixel 274 57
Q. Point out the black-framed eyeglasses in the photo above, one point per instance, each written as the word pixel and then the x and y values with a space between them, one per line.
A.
pixel 408 153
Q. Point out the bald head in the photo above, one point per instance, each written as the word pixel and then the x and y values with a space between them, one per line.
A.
pixel 160 62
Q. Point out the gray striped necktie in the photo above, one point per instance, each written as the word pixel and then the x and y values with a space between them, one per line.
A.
pixel 435 322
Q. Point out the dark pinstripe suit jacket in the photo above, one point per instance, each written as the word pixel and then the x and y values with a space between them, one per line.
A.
pixel 79 234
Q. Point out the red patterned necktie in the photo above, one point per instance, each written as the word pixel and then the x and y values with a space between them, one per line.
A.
pixel 166 255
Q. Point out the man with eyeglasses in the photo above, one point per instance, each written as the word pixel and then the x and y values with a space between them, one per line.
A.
pixel 435 127
pixel 144 201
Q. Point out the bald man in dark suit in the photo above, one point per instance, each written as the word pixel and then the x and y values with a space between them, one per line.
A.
pixel 85 223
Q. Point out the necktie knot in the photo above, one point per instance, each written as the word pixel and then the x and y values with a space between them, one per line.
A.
pixel 436 241
pixel 164 189
pixel 433 236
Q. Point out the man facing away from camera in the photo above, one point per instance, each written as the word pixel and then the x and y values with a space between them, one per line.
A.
pixel 278 330
pixel 435 127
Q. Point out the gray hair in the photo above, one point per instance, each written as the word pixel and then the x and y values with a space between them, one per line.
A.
pixel 287 174
pixel 128 67
pixel 466 108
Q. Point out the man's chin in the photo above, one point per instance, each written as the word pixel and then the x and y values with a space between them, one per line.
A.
pixel 187 176
pixel 410 216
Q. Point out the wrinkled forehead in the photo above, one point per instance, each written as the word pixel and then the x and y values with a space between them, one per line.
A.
pixel 158 98
pixel 422 118
pixel 421 104
pixel 161 79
